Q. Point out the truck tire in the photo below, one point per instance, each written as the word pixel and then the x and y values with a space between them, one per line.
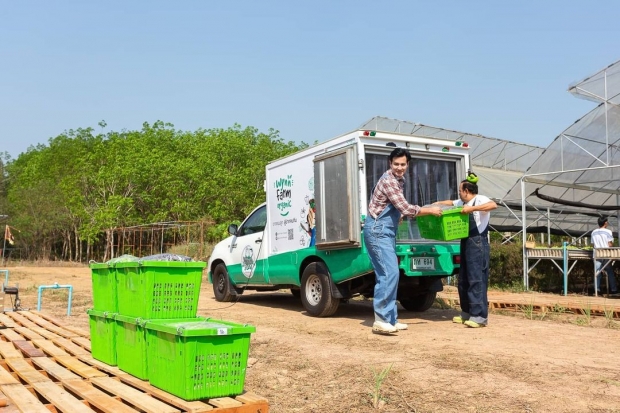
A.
pixel 316 291
pixel 222 289
pixel 419 303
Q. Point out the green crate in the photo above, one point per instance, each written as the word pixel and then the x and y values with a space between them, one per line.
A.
pixel 104 287
pixel 198 359
pixel 159 289
pixel 102 336
pixel 450 225
pixel 131 345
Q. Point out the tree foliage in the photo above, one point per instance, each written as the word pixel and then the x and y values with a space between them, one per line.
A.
pixel 66 196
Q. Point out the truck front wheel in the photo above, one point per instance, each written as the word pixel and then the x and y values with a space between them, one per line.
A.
pixel 316 291
pixel 221 284
pixel 419 303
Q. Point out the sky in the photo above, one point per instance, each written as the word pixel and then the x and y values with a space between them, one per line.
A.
pixel 311 70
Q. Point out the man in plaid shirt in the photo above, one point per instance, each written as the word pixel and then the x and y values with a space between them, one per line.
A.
pixel 387 206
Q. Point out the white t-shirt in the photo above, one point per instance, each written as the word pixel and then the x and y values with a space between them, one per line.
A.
pixel 481 217
pixel 601 238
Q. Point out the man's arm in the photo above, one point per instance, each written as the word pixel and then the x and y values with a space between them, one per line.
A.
pixel 446 202
pixel 487 206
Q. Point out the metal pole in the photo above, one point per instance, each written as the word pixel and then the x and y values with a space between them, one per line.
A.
pixel 565 267
pixel 524 223
pixel 4 245
pixel 548 227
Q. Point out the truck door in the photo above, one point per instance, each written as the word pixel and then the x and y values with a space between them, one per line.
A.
pixel 338 223
pixel 247 252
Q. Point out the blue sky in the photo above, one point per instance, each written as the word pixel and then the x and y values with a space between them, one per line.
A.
pixel 311 70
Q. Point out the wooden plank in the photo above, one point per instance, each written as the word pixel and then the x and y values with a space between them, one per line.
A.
pixel 10 334
pixel 79 367
pixel 6 321
pixel 54 369
pixel 112 370
pixel 60 398
pixel 145 386
pixel 8 350
pixel 28 333
pixel 96 397
pixel 59 323
pixel 49 348
pixel 26 372
pixel 28 349
pixel 44 333
pixel 133 396
pixel 47 325
pixel 225 402
pixel 25 401
pixel 20 319
pixel 6 377
pixel 70 347
pixel 82 341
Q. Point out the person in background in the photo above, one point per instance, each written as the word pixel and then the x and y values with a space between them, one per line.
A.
pixel 386 208
pixel 474 271
pixel 602 237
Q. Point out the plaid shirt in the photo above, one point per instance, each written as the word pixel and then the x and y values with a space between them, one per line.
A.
pixel 389 190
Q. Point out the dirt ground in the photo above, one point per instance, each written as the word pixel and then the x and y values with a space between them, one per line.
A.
pixel 305 364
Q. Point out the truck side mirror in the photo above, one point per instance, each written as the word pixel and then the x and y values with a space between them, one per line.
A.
pixel 232 229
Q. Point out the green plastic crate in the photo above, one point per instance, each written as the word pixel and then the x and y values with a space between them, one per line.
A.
pixel 159 289
pixel 131 345
pixel 198 359
pixel 102 336
pixel 104 287
pixel 449 226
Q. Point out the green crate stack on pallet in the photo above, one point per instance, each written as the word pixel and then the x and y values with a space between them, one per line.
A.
pixel 157 335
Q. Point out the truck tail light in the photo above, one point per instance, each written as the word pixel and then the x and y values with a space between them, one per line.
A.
pixel 456 259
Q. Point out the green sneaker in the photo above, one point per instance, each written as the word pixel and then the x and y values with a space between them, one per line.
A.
pixel 458 320
pixel 473 324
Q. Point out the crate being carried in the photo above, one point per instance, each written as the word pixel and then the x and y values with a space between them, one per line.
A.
pixel 198 359
pixel 102 336
pixel 159 289
pixel 449 226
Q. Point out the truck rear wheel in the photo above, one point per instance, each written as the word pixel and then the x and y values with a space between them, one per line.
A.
pixel 419 303
pixel 222 289
pixel 316 291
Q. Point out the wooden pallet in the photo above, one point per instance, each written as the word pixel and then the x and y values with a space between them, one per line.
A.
pixel 576 304
pixel 46 367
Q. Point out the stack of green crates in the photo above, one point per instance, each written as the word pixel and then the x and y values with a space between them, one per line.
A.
pixel 149 328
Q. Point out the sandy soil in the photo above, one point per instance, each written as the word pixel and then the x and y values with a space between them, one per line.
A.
pixel 305 364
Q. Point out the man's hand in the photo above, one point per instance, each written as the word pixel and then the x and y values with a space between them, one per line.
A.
pixel 435 211
pixel 467 209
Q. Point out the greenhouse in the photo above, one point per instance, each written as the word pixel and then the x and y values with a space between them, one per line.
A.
pixel 558 190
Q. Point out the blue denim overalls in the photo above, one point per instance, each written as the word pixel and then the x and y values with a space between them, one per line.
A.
pixel 380 239
pixel 474 274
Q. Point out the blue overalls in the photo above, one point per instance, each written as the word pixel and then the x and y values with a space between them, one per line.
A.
pixel 474 274
pixel 380 239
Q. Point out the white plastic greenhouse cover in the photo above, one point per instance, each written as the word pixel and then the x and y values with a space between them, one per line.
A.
pixel 582 164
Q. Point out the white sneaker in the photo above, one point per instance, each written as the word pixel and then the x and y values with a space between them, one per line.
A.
pixel 381 327
pixel 400 326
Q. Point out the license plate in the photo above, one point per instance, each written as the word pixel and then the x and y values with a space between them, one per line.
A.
pixel 423 263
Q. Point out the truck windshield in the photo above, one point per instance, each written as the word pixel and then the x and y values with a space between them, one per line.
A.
pixel 427 181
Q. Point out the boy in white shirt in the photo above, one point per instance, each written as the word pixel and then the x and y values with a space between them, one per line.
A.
pixel 603 238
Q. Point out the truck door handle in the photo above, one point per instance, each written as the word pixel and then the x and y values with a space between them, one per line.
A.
pixel 233 246
pixel 258 241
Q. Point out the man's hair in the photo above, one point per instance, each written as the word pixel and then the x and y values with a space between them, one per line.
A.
pixel 471 188
pixel 399 152
pixel 601 221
